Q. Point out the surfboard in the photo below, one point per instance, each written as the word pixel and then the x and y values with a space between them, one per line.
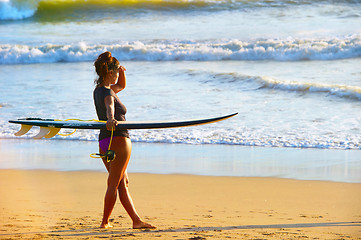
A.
pixel 50 127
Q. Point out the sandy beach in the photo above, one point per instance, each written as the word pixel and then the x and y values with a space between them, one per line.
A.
pixel 40 204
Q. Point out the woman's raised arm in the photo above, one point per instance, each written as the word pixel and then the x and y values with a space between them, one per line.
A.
pixel 121 83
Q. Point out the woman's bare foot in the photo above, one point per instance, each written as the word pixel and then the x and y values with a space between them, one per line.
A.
pixel 141 224
pixel 105 225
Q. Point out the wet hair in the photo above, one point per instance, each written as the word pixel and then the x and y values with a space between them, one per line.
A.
pixel 105 63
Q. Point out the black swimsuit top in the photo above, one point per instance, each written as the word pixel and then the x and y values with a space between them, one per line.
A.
pixel 99 95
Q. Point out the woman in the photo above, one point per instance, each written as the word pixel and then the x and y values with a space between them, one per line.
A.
pixel 109 108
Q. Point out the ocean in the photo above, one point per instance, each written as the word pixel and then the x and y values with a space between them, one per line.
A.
pixel 291 69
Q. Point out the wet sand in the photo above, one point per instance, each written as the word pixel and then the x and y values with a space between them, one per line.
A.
pixel 44 204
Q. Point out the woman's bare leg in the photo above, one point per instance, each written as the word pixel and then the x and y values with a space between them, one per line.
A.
pixel 122 147
pixel 128 205
pixel 126 200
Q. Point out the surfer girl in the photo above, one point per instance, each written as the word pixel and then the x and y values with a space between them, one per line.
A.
pixel 111 80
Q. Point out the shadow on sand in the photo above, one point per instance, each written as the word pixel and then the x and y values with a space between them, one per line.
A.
pixel 131 232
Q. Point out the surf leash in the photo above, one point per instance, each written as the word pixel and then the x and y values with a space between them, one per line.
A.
pixel 109 155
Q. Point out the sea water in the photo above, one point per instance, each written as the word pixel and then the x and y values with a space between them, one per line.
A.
pixel 291 69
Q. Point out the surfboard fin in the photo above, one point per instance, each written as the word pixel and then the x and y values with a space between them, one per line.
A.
pixel 43 132
pixel 52 133
pixel 24 129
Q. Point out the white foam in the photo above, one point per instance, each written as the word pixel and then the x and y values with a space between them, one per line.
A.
pixel 174 50
pixel 246 138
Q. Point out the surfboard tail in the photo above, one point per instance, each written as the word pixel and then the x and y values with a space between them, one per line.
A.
pixel 47 132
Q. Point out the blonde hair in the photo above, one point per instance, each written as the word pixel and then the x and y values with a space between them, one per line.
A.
pixel 105 63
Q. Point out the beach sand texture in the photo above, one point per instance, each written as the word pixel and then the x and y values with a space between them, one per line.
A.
pixel 37 204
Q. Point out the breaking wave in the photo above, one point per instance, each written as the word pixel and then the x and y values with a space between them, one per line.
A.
pixel 15 10
pixel 246 83
pixel 342 91
pixel 175 50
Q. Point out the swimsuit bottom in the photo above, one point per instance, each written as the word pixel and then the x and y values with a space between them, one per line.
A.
pixel 104 144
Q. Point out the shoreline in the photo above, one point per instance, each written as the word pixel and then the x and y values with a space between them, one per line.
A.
pixel 203 160
pixel 52 204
